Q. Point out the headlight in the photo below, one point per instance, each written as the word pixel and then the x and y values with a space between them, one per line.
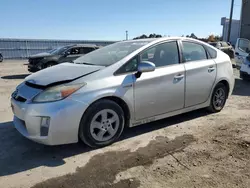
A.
pixel 57 93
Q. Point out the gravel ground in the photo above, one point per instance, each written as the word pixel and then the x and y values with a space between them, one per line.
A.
pixel 195 149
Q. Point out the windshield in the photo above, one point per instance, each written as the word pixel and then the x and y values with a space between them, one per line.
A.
pixel 58 51
pixel 111 54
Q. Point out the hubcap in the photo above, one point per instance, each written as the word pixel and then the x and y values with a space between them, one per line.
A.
pixel 219 98
pixel 104 125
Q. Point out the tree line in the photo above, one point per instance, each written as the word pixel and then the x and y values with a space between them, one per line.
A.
pixel 210 38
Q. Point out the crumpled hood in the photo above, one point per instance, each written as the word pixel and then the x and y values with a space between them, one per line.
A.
pixel 64 72
pixel 44 54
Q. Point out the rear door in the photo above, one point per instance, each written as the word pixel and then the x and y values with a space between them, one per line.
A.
pixel 242 49
pixel 200 73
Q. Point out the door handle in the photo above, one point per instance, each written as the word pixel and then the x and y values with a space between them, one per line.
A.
pixel 127 85
pixel 211 69
pixel 179 76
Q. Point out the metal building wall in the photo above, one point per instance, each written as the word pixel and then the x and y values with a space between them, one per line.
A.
pixel 23 48
pixel 245 19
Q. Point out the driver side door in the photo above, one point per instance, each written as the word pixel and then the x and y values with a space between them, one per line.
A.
pixel 162 90
pixel 242 48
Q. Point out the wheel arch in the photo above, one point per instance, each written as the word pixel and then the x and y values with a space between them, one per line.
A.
pixel 125 107
pixel 225 82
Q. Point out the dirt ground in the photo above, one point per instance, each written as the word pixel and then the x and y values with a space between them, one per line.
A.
pixel 195 149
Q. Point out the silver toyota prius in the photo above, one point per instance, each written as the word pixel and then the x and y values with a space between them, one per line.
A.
pixel 127 83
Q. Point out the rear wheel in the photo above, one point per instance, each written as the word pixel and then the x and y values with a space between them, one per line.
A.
pixel 218 99
pixel 102 124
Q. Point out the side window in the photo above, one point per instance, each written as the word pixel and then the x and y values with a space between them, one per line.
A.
pixel 212 53
pixel 244 45
pixel 162 54
pixel 193 52
pixel 74 51
pixel 85 50
pixel 130 66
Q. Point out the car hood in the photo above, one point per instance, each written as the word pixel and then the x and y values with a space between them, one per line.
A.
pixel 44 54
pixel 61 73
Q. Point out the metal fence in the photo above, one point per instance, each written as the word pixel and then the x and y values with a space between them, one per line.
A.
pixel 23 48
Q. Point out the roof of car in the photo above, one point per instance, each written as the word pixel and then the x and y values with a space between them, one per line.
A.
pixel 82 45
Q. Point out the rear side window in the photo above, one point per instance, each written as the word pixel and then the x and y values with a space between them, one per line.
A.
pixel 211 52
pixel 193 52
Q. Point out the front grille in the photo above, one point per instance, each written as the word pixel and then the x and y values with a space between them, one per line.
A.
pixel 34 61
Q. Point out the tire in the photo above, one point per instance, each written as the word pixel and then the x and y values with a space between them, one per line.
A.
pixel 218 102
pixel 231 54
pixel 49 64
pixel 1 58
pixel 101 133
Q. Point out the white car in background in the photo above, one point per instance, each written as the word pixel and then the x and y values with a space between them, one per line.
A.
pixel 242 57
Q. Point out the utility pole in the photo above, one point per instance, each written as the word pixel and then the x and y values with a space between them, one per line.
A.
pixel 230 21
pixel 126 35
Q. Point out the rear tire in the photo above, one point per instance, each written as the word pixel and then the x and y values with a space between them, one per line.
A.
pixel 218 99
pixel 102 124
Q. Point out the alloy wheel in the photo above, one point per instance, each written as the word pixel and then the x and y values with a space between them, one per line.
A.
pixel 104 125
pixel 219 98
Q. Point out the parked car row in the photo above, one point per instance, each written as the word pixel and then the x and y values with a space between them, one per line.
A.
pixel 60 55
pixel 124 84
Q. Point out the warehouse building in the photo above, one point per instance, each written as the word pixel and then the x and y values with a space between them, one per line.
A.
pixel 239 28
pixel 23 48
pixel 245 19
pixel 235 30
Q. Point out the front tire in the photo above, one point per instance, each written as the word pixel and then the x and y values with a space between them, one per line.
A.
pixel 102 124
pixel 1 58
pixel 218 99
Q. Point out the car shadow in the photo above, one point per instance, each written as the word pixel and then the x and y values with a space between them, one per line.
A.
pixel 18 154
pixel 14 77
pixel 241 87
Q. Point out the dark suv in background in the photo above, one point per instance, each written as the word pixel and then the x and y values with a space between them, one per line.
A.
pixel 225 47
pixel 60 55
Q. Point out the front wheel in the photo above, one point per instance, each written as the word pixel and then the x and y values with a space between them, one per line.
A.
pixel 218 99
pixel 102 124
pixel 1 58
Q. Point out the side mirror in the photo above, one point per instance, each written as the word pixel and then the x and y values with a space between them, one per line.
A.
pixel 145 66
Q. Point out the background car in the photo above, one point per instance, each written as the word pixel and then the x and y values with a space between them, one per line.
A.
pixel 242 51
pixel 124 84
pixel 1 57
pixel 225 47
pixel 55 56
